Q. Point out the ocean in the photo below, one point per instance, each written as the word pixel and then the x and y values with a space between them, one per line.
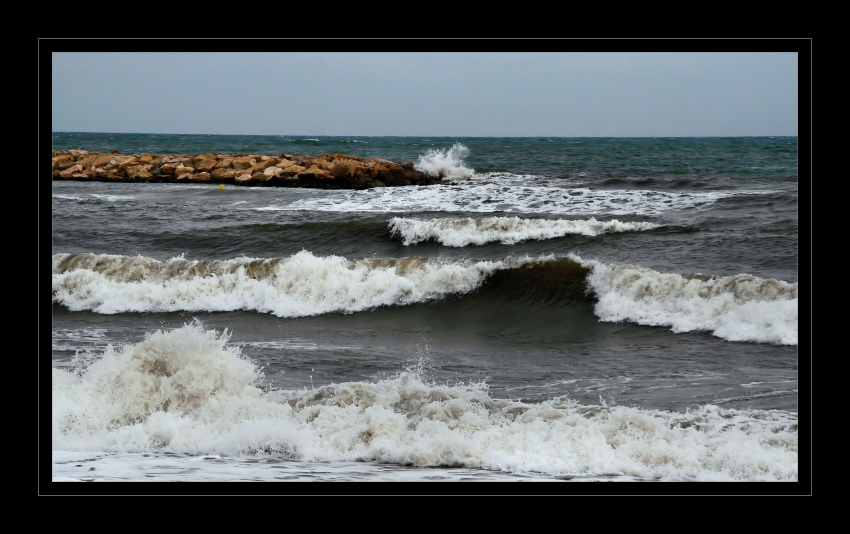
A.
pixel 561 309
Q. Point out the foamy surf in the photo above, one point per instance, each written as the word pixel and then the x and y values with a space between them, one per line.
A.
pixel 188 392
pixel 294 286
pixel 737 308
pixel 509 197
pixel 506 230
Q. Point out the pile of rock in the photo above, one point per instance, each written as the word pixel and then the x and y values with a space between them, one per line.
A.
pixel 326 171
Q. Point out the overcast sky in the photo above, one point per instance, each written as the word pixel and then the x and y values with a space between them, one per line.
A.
pixel 427 94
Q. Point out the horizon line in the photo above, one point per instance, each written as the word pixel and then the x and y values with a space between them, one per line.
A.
pixel 436 136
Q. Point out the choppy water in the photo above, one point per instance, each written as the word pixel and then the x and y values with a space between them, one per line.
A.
pixel 561 309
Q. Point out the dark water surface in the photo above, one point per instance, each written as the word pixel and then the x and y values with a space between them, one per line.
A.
pixel 563 307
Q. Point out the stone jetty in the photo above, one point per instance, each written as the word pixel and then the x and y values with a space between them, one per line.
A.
pixel 325 171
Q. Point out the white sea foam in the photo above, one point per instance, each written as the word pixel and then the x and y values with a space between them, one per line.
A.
pixel 511 198
pixel 737 308
pixel 95 466
pixel 507 230
pixel 94 197
pixel 294 286
pixel 187 391
pixel 446 163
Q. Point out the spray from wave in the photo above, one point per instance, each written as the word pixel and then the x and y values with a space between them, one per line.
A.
pixel 187 391
pixel 445 163
pixel 506 230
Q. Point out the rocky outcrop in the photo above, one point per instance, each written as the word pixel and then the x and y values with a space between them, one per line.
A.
pixel 326 171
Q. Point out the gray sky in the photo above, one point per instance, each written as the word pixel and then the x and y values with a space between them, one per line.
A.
pixel 427 94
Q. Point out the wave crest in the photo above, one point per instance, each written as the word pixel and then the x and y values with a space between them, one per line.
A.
pixel 738 308
pixel 294 286
pixel 506 230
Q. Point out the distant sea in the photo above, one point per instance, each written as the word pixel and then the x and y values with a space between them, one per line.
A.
pixel 562 309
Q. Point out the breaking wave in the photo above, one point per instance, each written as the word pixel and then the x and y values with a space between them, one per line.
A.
pixel 294 286
pixel 737 308
pixel 505 230
pixel 188 391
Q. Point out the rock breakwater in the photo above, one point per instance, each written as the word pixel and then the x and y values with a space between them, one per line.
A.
pixel 325 171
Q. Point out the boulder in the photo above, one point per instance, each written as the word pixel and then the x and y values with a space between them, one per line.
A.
pixel 69 172
pixel 177 159
pixel 130 162
pixel 195 161
pixel 321 163
pixel 200 177
pixel 344 167
pixel 101 160
pixel 169 169
pixel 415 177
pixel 292 170
pixel 206 165
pixel 273 171
pixel 378 169
pixel 260 166
pixel 243 163
pixel 139 173
pixel 223 163
pixel 87 161
pixel 62 165
pixel 223 174
pixel 344 156
pixel 242 177
pixel 117 160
